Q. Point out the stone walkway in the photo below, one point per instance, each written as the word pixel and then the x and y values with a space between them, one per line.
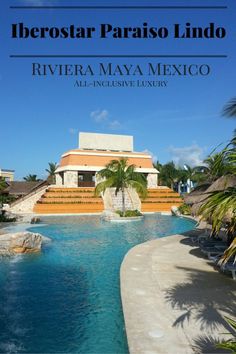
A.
pixel 173 298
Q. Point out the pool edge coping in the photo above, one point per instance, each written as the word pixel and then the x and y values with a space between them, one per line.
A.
pixel 140 338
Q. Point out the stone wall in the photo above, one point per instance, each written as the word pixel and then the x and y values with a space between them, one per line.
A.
pixel 59 180
pixel 26 204
pixel 136 202
pixel 113 202
pixel 152 180
pixel 107 200
pixel 71 179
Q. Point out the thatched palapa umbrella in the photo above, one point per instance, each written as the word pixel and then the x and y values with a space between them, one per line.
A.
pixel 199 196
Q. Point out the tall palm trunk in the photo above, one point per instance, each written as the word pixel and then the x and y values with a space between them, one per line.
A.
pixel 123 200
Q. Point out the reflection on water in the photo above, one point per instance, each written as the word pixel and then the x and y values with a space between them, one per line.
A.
pixel 67 299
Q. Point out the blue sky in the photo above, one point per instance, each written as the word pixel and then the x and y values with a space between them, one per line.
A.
pixel 41 117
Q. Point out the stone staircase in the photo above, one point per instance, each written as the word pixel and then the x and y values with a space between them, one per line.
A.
pixel 69 201
pixel 82 200
pixel 160 200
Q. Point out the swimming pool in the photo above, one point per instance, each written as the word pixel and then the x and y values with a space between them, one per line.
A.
pixel 66 299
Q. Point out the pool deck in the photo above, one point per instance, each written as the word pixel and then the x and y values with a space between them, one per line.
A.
pixel 173 298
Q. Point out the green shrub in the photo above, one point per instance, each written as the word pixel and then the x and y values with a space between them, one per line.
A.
pixel 129 213
pixel 185 209
pixel 6 199
pixel 4 218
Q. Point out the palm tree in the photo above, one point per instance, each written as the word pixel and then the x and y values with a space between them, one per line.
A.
pixel 198 174
pixel 51 172
pixel 225 203
pixel 220 206
pixel 169 175
pixel 230 156
pixel 217 165
pixel 31 178
pixel 190 174
pixel 119 175
pixel 158 166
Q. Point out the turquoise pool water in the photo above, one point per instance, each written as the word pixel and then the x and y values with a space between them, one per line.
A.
pixel 67 299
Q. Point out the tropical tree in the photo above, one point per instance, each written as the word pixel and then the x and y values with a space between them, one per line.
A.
pixel 31 178
pixel 230 156
pixel 51 172
pixel 158 165
pixel 229 203
pixel 3 184
pixel 220 206
pixel 5 198
pixel 217 165
pixel 194 174
pixel 169 174
pixel 119 175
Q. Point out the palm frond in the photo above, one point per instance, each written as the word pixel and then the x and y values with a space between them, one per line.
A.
pixel 139 187
pixel 231 343
pixel 52 168
pixel 230 252
pixel 218 205
pixel 105 173
pixel 102 186
pixel 31 178
pixel 130 169
pixel 229 109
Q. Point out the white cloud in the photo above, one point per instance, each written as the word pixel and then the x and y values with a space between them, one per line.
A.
pixel 189 155
pixel 114 125
pixel 99 115
pixel 102 116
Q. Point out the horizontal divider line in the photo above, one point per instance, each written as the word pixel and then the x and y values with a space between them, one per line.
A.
pixel 118 56
pixel 119 7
